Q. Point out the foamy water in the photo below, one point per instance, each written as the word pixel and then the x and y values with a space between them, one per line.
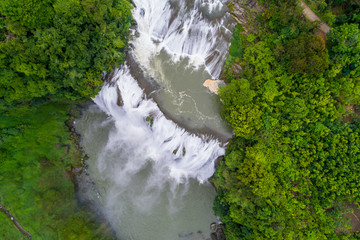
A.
pixel 181 154
pixel 145 173
pixel 196 30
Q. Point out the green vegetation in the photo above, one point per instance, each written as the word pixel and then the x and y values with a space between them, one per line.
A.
pixel 336 12
pixel 292 168
pixel 38 159
pixel 52 54
pixel 150 119
pixel 59 48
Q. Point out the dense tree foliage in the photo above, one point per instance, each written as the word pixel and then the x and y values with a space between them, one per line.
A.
pixel 336 12
pixel 59 47
pixel 37 158
pixel 52 54
pixel 292 167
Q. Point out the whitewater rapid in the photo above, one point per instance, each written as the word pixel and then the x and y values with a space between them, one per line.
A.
pixel 198 30
pixel 143 130
pixel 145 174
pixel 195 30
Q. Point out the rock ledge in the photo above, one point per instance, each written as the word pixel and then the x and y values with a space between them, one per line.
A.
pixel 213 85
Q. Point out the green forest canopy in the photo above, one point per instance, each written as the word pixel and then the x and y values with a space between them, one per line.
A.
pixel 59 47
pixel 293 166
pixel 37 160
pixel 52 54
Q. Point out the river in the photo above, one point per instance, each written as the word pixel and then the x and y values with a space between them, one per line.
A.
pixel 150 157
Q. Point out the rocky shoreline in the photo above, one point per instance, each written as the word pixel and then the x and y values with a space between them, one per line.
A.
pixel 239 12
pixel 76 171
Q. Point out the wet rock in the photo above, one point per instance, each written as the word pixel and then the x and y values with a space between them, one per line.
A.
pixel 131 46
pixel 120 101
pixel 213 226
pixel 213 85
pixel 185 235
pixel 220 235
pixel 219 231
pixel 142 12
pixel 243 11
pixel 213 236
pixel 218 160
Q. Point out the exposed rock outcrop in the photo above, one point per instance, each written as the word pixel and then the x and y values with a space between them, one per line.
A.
pixel 244 12
pixel 213 85
pixel 219 233
pixel 120 101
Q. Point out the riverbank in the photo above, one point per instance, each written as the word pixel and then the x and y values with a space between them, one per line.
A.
pixel 52 56
pixel 40 191
pixel 282 175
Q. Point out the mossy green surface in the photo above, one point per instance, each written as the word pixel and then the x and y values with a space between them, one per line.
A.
pixel 37 157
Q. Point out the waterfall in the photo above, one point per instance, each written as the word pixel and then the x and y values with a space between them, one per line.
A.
pixel 146 174
pixel 145 133
pixel 193 29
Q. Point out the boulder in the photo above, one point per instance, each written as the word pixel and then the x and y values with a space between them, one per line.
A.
pixel 120 101
pixel 218 229
pixel 213 226
pixel 220 232
pixel 213 85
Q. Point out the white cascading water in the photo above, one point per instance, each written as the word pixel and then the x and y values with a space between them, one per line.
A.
pixel 176 153
pixel 150 175
pixel 193 29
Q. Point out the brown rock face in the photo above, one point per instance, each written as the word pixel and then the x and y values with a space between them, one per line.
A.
pixel 219 234
pixel 213 85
